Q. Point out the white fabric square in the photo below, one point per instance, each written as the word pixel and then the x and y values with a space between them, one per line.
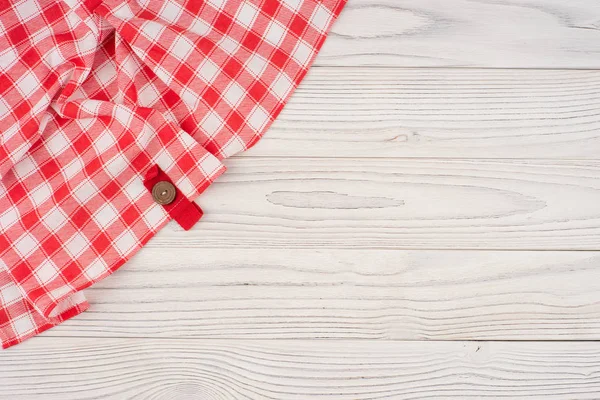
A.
pixel 87 43
pixel 234 93
pixel 116 165
pixel 78 94
pixel 57 144
pixel 21 150
pixel 46 272
pixel 72 18
pixel 41 106
pixel 164 160
pixel 8 218
pixel 8 134
pixel 131 66
pixel 148 95
pixel 40 194
pixel 181 48
pixel 123 11
pixel 229 45
pixel 125 243
pixel 27 9
pixel 274 33
pixel 185 186
pixel 246 14
pixel 211 123
pixel 256 65
pixel 96 269
pixel 54 58
pixel 8 58
pixel 208 71
pixel 60 292
pixel 293 5
pixel 188 142
pixel 320 18
pixel 54 219
pixel 27 84
pixel 170 116
pixel 76 244
pixel 155 216
pixel 199 27
pixel 232 147
pixel 4 109
pixel 134 189
pixel 73 168
pixel 106 73
pixel 9 294
pixel 170 11
pixel 123 115
pixel 152 30
pixel 90 106
pixel 217 3
pixel 258 119
pixel 25 167
pixel 302 54
pixel 106 215
pixel 281 86
pixel 210 164
pixel 190 98
pixel 23 325
pixel 145 137
pixel 85 191
pixel 26 244
pixel 104 142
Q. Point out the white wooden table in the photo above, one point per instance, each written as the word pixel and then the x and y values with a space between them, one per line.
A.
pixel 423 221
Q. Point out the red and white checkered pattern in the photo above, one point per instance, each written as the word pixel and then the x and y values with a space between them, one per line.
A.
pixel 93 94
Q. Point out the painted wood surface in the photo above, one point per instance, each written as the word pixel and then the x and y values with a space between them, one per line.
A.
pixel 346 294
pixel 375 203
pixel 421 222
pixel 466 33
pixel 450 113
pixel 82 369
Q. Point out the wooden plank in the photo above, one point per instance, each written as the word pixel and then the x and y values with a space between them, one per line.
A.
pixel 466 33
pixel 452 113
pixel 345 370
pixel 346 294
pixel 399 204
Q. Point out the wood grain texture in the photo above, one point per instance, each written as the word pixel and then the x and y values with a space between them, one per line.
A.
pixel 451 113
pixel 398 204
pixel 285 370
pixel 466 33
pixel 346 294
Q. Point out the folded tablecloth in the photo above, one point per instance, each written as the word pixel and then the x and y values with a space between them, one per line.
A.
pixel 115 116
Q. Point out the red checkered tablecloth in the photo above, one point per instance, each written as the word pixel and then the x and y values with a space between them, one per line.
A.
pixel 94 96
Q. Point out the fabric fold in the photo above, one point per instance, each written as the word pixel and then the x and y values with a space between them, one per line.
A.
pixel 19 320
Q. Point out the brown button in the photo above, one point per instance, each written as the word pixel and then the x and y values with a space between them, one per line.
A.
pixel 164 192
